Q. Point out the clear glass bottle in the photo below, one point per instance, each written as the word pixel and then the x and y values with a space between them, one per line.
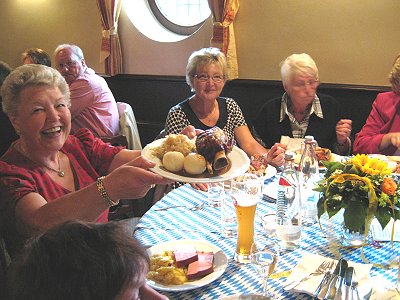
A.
pixel 288 217
pixel 308 177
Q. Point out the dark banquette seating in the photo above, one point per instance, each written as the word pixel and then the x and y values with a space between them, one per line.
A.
pixel 152 96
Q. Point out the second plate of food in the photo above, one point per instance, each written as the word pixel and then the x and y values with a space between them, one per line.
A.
pixel 220 263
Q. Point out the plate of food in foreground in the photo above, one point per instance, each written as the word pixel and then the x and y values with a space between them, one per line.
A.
pixel 181 159
pixel 183 265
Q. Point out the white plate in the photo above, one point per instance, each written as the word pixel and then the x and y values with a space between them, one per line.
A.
pixel 270 172
pixel 239 165
pixel 220 264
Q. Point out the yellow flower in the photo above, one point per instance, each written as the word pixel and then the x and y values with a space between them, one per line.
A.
pixel 369 165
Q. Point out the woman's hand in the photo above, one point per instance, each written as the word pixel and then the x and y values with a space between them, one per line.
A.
pixel 276 155
pixel 343 131
pixel 191 132
pixel 132 180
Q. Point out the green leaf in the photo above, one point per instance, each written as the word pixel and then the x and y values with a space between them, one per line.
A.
pixel 383 216
pixel 354 214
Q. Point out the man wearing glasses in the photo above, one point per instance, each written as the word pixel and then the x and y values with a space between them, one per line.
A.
pixel 93 105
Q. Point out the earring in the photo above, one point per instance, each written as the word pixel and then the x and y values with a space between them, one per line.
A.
pixel 18 132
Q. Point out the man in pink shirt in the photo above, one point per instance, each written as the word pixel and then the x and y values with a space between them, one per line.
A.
pixel 92 103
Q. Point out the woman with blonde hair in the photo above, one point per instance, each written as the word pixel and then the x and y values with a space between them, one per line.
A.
pixel 381 132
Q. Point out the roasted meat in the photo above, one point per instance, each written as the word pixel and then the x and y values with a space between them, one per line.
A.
pixel 214 145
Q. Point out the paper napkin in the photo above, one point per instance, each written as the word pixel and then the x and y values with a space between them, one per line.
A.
pixel 310 262
pixel 385 235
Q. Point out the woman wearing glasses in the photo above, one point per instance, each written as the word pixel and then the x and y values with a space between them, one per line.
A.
pixel 206 74
pixel 300 111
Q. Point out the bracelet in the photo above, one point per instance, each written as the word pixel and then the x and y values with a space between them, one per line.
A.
pixel 103 192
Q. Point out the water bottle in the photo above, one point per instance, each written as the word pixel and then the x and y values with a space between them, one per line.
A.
pixel 288 217
pixel 308 177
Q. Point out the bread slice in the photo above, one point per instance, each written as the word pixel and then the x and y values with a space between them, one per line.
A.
pixel 202 267
pixel 185 255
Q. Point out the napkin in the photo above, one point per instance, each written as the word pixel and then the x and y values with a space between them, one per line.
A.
pixel 292 144
pixel 385 235
pixel 309 262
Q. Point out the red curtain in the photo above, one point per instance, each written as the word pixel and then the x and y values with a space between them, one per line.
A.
pixel 224 13
pixel 110 51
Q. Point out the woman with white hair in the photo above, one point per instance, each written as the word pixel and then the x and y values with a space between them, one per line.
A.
pixel 381 132
pixel 301 111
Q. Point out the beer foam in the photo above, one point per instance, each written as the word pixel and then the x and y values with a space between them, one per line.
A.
pixel 242 200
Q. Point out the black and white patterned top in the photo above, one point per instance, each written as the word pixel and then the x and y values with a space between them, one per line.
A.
pixel 181 115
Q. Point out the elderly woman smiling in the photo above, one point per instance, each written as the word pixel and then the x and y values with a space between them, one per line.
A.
pixel 300 111
pixel 206 74
pixel 48 176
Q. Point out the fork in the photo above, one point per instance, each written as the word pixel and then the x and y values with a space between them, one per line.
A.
pixel 193 208
pixel 318 271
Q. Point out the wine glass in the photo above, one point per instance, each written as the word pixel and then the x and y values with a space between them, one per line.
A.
pixel 264 255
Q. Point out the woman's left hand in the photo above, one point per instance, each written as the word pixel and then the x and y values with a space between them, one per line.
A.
pixel 343 130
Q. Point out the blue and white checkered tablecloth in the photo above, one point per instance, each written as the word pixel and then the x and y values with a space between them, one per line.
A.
pixel 180 223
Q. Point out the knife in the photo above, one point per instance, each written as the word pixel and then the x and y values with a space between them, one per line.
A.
pixel 325 288
pixel 342 264
pixel 342 273
pixel 348 279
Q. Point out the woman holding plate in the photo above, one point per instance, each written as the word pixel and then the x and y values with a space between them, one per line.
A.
pixel 206 74
pixel 48 176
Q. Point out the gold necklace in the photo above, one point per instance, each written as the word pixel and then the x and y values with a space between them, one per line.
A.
pixel 59 172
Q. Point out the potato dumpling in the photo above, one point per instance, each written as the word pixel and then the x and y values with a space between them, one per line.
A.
pixel 194 164
pixel 173 161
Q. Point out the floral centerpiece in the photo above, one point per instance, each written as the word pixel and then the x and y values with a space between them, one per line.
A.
pixel 364 187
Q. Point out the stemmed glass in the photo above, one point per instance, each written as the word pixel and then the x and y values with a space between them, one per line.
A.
pixel 264 255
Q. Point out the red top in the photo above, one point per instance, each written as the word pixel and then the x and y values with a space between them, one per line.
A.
pixel 384 118
pixel 89 157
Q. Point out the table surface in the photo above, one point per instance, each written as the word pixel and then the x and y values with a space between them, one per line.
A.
pixel 180 223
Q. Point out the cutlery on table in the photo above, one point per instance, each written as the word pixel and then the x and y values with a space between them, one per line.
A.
pixel 318 271
pixel 331 293
pixel 354 285
pixel 342 273
pixel 325 280
pixel 325 288
pixel 348 279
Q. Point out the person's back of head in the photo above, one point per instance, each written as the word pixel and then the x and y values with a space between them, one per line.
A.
pixel 36 56
pixel 78 260
pixel 5 69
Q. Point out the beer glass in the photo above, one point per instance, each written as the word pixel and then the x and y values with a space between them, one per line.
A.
pixel 246 191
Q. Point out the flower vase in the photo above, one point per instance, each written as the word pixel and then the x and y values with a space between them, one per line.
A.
pixel 354 238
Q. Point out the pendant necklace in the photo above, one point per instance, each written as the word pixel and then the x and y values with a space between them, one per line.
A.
pixel 59 172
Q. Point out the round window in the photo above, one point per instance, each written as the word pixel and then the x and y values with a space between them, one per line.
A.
pixel 182 17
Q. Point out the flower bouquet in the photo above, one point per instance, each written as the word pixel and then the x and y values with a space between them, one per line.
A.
pixel 364 187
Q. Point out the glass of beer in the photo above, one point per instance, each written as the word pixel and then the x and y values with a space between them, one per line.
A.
pixel 245 193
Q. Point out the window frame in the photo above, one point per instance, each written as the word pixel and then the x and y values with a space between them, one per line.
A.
pixel 175 28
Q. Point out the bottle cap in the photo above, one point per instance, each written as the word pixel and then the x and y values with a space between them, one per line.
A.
pixel 308 138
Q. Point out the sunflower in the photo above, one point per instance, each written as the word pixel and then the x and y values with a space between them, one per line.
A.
pixel 371 166
pixel 364 187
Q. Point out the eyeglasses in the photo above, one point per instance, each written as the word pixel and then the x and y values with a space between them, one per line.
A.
pixel 303 84
pixel 68 65
pixel 204 77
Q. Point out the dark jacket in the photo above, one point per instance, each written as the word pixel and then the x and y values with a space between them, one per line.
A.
pixel 270 130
